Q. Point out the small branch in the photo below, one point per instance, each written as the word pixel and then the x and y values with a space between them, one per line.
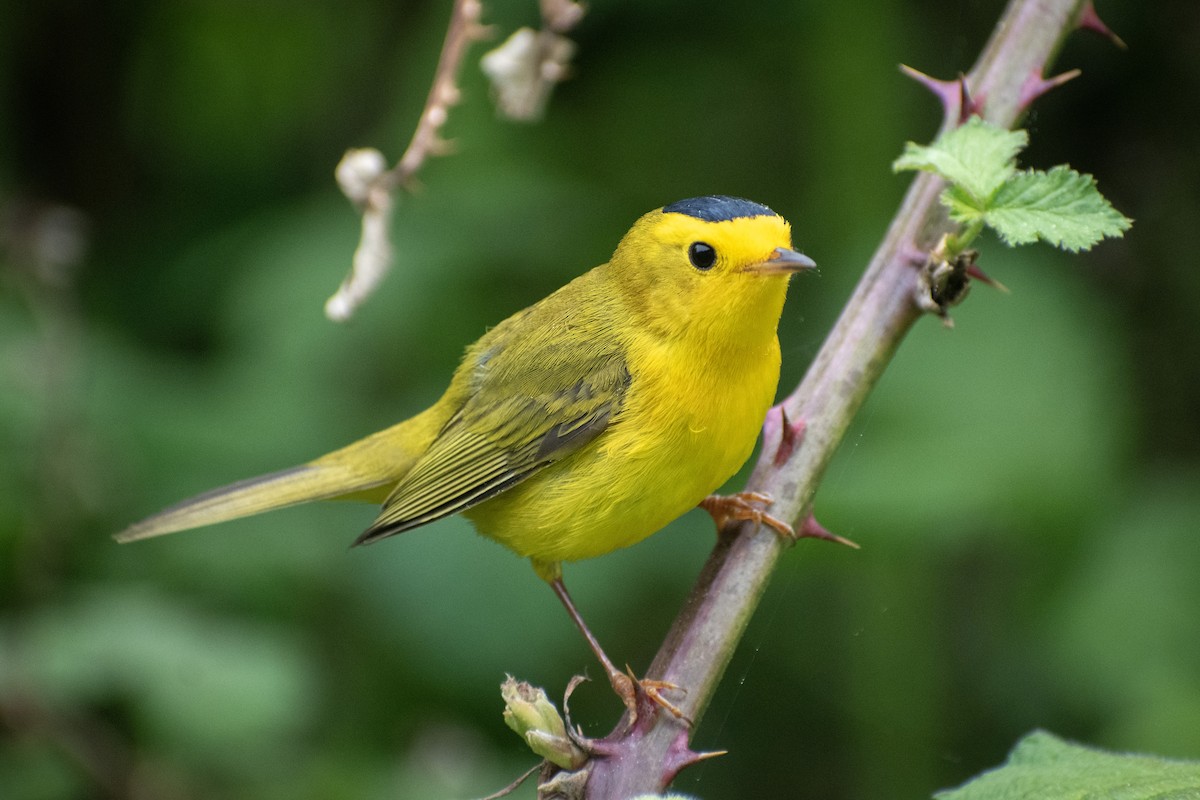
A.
pixel 427 140
pixel 862 343
pixel 363 179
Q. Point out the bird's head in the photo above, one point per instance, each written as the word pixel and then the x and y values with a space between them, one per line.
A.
pixel 715 266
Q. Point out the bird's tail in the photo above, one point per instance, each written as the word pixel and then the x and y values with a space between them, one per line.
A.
pixel 288 487
pixel 363 470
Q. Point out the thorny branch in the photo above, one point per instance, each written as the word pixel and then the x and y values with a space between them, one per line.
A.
pixel 800 436
pixel 523 72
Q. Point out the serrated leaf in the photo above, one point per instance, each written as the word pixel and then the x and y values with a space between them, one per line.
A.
pixel 1048 768
pixel 1061 207
pixel 976 156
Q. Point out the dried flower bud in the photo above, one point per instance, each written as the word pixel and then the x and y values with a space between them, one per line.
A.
pixel 358 171
pixel 530 713
pixel 525 69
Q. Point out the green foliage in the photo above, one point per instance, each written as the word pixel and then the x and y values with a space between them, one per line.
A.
pixel 978 160
pixel 1138 571
pixel 247 681
pixel 1045 767
pixel 1061 207
pixel 976 157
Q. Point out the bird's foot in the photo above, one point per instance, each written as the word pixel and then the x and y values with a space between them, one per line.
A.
pixel 639 694
pixel 740 507
pixel 747 506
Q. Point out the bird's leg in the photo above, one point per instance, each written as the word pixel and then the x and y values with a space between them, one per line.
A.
pixel 627 687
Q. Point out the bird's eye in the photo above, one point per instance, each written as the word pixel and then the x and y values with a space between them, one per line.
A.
pixel 702 255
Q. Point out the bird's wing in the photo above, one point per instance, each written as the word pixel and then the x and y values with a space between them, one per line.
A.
pixel 523 413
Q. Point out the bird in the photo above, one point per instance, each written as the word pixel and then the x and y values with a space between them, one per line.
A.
pixel 587 421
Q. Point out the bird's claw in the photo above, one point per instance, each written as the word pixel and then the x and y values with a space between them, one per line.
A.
pixel 740 507
pixel 635 693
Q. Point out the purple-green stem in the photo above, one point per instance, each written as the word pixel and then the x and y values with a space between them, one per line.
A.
pixel 644 755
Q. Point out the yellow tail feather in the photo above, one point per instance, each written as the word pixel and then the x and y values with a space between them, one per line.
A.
pixel 287 487
pixel 363 470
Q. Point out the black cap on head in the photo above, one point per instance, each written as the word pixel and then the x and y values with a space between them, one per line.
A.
pixel 718 208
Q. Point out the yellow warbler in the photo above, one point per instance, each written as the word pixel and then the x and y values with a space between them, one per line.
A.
pixel 587 421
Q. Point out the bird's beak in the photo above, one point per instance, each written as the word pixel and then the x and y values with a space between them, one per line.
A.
pixel 782 262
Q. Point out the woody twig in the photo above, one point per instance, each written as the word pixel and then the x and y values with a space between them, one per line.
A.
pixel 365 179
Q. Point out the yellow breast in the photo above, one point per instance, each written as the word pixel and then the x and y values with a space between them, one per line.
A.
pixel 687 424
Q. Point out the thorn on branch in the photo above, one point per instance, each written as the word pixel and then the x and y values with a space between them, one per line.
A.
pixel 791 434
pixel 955 97
pixel 574 732
pixel 811 529
pixel 680 756
pixel 1089 20
pixel 1035 86
pixel 975 272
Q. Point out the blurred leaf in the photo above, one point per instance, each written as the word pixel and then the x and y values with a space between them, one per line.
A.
pixel 1045 767
pixel 193 681
pixel 1119 645
pixel 30 772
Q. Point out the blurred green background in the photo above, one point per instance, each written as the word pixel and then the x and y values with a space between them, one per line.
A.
pixel 1026 487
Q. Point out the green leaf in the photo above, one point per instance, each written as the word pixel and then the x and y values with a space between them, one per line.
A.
pixel 976 156
pixel 1061 207
pixel 1045 767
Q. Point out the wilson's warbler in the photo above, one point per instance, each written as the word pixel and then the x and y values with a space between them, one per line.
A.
pixel 587 421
